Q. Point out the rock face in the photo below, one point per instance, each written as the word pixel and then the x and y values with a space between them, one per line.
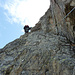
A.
pixel 48 49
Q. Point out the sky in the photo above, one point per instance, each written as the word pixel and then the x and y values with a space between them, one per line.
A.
pixel 14 14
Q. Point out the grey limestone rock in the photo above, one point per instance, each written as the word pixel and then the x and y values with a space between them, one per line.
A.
pixel 48 49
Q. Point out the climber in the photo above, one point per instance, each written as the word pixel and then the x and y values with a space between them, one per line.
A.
pixel 26 28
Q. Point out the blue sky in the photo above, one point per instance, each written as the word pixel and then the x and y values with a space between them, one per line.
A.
pixel 14 14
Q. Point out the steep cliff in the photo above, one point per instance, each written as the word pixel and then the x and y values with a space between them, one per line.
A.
pixel 48 49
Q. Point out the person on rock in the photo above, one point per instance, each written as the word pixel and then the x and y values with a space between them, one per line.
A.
pixel 26 28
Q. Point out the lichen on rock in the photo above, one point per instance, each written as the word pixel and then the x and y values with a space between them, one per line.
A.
pixel 48 49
